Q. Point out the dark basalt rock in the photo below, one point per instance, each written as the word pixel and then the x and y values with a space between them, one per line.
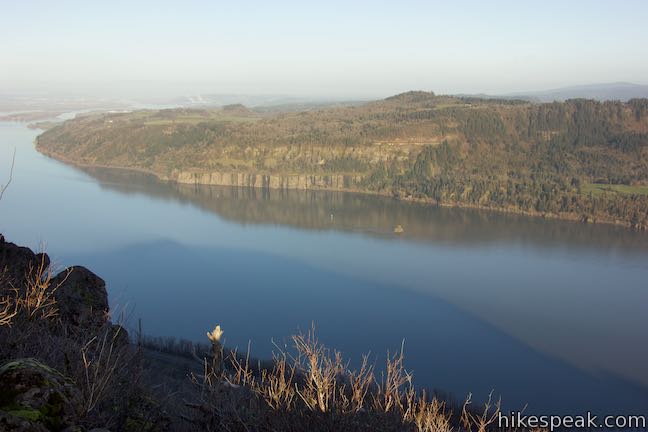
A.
pixel 81 298
pixel 18 263
pixel 12 423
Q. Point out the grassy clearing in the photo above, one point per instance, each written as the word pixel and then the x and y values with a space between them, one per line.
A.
pixel 188 117
pixel 194 120
pixel 597 189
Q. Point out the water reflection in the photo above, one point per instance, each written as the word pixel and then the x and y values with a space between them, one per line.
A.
pixel 375 215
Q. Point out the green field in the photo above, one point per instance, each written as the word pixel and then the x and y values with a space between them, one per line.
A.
pixel 599 189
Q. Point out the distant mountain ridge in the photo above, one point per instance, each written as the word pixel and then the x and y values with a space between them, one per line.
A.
pixel 619 91
pixel 622 91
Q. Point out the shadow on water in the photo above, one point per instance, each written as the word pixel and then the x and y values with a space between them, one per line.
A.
pixel 261 297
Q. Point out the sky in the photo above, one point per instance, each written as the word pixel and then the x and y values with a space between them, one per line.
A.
pixel 318 48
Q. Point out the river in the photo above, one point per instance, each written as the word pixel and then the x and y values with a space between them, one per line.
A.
pixel 546 313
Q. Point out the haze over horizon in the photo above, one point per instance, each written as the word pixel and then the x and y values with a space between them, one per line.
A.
pixel 332 49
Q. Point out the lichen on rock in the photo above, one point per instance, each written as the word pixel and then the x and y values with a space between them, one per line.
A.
pixel 32 393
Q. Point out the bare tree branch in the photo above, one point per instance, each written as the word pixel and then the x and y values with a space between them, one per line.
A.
pixel 3 188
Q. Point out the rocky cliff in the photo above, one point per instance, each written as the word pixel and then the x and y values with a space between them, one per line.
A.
pixel 63 364
pixel 298 181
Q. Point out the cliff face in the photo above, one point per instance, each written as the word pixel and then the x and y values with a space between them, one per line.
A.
pixel 299 181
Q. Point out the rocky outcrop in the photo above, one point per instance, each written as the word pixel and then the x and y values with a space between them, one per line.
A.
pixel 81 298
pixel 272 181
pixel 70 335
pixel 18 263
pixel 35 397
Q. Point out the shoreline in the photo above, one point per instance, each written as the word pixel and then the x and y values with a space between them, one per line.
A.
pixel 425 201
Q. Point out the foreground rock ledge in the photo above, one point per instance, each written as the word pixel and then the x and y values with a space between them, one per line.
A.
pixel 34 396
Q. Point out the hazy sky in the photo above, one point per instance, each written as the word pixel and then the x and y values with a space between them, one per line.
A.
pixel 337 48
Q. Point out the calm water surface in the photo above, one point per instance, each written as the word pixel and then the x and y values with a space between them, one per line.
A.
pixel 551 314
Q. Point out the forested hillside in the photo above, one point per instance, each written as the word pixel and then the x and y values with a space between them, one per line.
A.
pixel 579 159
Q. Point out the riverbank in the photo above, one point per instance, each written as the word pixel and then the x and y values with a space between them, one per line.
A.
pixel 319 183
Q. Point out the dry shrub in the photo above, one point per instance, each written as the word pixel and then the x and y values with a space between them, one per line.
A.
pixel 36 299
pixel 480 421
pixel 8 305
pixel 321 369
pixel 32 301
pixel 313 388
pixel 429 416
pixel 391 394
pixel 101 356
pixel 276 385
pixel 7 311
